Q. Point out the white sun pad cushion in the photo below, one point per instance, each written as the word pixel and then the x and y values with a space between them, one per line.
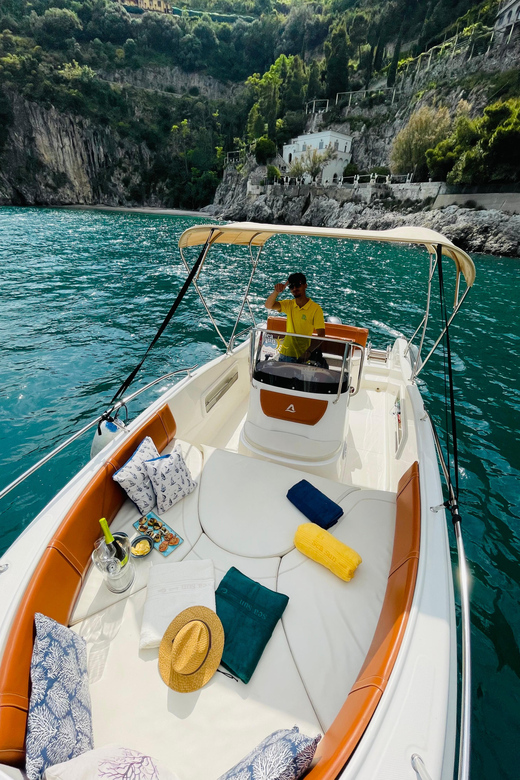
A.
pixel 330 623
pixel 200 734
pixel 254 524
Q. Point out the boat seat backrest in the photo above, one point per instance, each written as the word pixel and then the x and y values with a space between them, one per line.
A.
pixel 57 579
pixel 332 330
pixel 340 740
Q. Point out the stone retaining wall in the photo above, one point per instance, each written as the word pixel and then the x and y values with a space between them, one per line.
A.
pixel 501 201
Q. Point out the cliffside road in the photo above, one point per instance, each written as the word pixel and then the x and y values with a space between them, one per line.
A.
pixel 488 231
pixel 135 86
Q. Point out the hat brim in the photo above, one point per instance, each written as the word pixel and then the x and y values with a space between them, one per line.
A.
pixel 184 683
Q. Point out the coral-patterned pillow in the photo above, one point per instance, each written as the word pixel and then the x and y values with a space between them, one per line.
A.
pixel 283 755
pixel 110 762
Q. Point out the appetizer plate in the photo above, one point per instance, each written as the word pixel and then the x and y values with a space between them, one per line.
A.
pixel 164 539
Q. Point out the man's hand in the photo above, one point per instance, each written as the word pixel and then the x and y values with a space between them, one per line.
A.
pixel 271 302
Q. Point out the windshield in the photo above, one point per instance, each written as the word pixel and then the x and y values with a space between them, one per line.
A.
pixel 308 364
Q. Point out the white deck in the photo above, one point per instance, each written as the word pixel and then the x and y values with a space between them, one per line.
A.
pixel 310 662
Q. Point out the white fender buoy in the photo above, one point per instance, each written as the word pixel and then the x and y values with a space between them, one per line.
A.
pixel 104 434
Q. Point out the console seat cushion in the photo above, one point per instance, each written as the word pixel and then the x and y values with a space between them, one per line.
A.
pixel 198 735
pixel 182 517
pixel 330 645
pixel 243 504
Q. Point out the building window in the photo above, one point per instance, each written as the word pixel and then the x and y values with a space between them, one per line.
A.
pixel 304 148
pixel 321 144
pixel 290 157
pixel 336 145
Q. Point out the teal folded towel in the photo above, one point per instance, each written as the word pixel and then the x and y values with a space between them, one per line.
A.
pixel 249 613
pixel 314 504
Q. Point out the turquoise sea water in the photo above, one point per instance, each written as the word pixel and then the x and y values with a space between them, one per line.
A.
pixel 83 292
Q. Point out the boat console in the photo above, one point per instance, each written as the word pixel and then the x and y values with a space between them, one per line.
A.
pixel 298 410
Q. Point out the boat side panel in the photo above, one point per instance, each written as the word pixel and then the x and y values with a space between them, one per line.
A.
pixel 197 424
pixel 416 713
pixel 342 737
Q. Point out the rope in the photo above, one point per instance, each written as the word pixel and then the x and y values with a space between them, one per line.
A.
pixel 130 378
pixel 447 355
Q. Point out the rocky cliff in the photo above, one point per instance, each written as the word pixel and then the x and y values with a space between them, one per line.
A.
pixel 487 231
pixel 175 81
pixel 50 158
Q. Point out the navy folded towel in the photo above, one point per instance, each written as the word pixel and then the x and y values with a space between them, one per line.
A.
pixel 314 504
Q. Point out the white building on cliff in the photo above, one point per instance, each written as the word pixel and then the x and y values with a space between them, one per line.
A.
pixel 340 143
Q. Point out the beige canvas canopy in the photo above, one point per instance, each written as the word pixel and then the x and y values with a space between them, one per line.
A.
pixel 256 234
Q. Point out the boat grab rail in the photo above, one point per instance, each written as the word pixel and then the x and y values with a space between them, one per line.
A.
pixel 465 706
pixel 237 336
pixel 115 408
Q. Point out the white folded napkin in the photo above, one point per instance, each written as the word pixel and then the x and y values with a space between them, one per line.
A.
pixel 172 588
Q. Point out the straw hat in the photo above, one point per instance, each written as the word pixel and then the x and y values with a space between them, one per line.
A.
pixel 191 649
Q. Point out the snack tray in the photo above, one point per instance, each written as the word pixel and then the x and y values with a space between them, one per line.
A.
pixel 165 528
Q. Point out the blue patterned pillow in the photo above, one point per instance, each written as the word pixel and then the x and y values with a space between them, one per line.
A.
pixel 171 479
pixel 283 755
pixel 134 478
pixel 59 724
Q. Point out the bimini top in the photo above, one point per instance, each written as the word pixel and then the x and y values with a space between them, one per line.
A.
pixel 256 234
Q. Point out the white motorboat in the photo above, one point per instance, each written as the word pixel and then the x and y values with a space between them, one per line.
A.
pixel 370 663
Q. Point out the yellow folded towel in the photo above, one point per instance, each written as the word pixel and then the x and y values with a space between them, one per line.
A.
pixel 322 547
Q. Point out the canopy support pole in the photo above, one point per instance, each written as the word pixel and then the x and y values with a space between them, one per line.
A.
pixel 203 299
pixel 432 350
pixel 424 321
pixel 245 298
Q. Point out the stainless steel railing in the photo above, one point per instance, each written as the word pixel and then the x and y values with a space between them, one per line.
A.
pixel 465 708
pixel 350 348
pixel 63 445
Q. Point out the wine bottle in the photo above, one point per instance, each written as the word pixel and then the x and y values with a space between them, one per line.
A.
pixel 114 546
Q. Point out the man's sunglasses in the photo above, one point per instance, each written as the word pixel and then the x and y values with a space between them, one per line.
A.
pixel 292 285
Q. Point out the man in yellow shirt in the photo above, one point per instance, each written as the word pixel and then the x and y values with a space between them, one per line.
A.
pixel 303 316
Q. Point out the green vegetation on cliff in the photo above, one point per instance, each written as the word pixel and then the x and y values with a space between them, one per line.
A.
pixel 59 53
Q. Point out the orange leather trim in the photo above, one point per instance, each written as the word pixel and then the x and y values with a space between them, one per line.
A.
pixel 343 332
pixel 57 579
pixel 292 408
pixel 357 711
pixel 342 737
pixel 52 590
